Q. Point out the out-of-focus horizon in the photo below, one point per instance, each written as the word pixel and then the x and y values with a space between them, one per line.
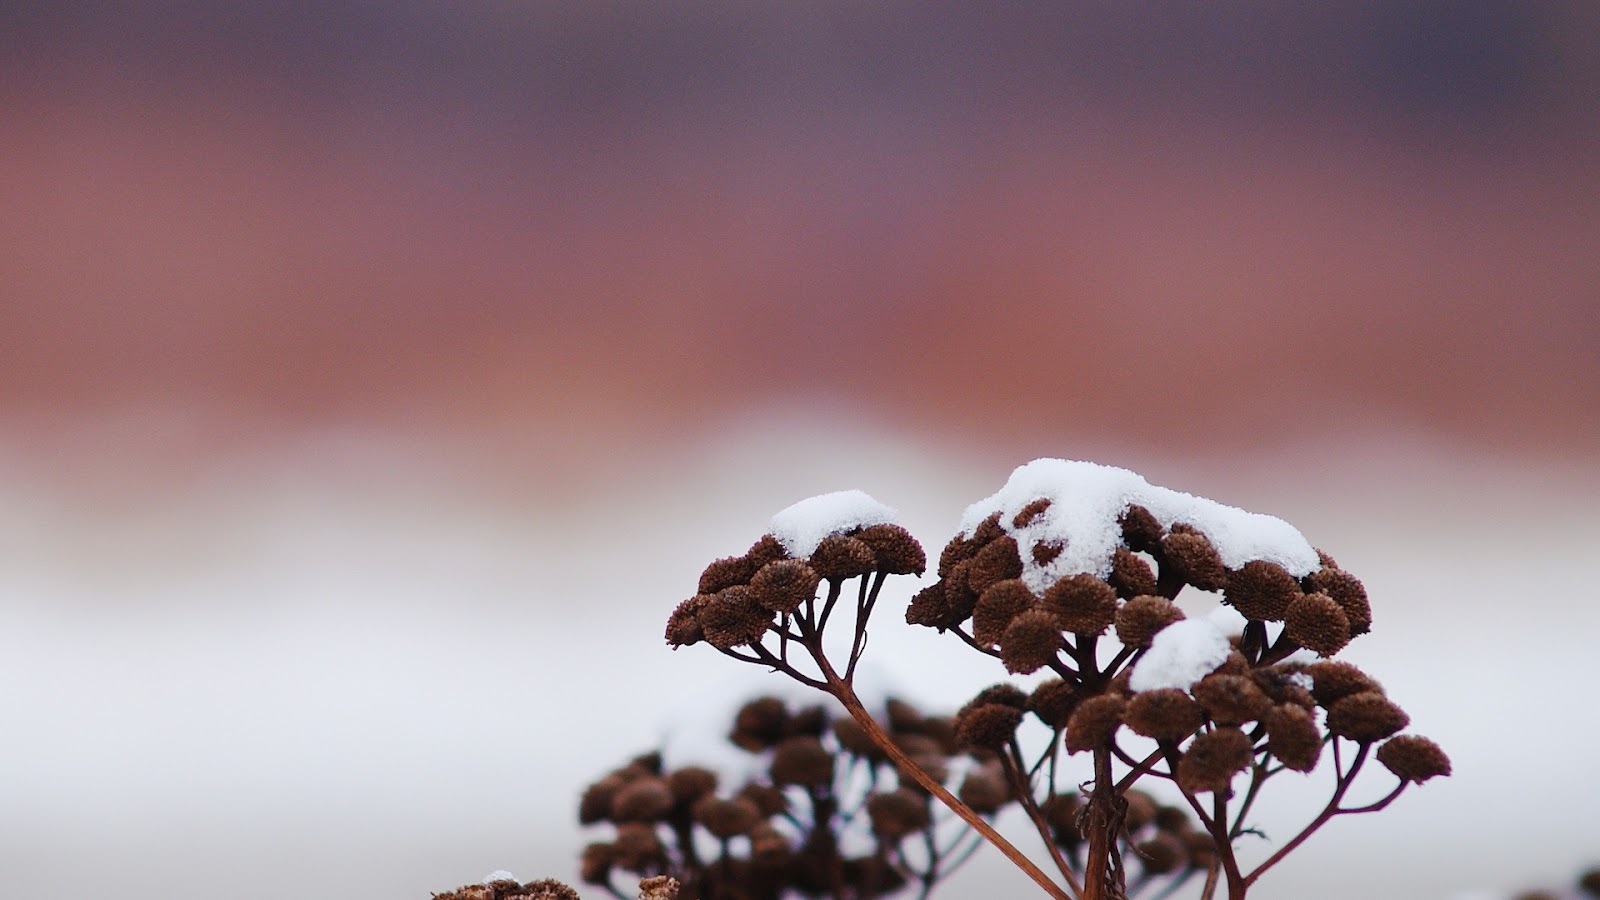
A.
pixel 343 347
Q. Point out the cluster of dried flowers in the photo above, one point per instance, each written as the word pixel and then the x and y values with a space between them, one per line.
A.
pixel 828 817
pixel 1147 693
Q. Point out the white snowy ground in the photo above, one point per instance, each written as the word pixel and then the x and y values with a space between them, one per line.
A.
pixel 340 675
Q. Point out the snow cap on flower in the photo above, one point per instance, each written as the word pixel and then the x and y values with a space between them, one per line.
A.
pixel 1179 655
pixel 801 527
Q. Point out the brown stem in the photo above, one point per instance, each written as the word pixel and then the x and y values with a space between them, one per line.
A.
pixel 1012 763
pixel 1328 812
pixel 1102 821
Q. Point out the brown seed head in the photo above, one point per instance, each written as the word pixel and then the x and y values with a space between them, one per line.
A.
pixel 594 865
pixel 1261 590
pixel 1213 759
pixel 1140 812
pixel 760 724
pixel 839 557
pixel 1194 559
pixel 1202 848
pixel 1332 681
pixel 733 618
pixel 637 848
pixel 1031 641
pixel 1053 701
pixel 1293 737
pixel 1139 619
pixel 1347 591
pixel 683 626
pixel 690 783
pixel 767 843
pixel 988 530
pixel 1083 604
pixel 596 803
pixel 1166 715
pixel 997 561
pixel 959 550
pixel 784 585
pixel 769 800
pixel 802 760
pixel 726 818
pixel 997 607
pixel 943 730
pixel 725 573
pixel 1234 664
pixel 1413 758
pixel 1093 722
pixel 1172 820
pixel 928 608
pixel 546 889
pixel 898 813
pixel 897 552
pixel 988 725
pixel 1062 812
pixel 1004 693
pixel 985 789
pixel 1365 717
pixel 1162 854
pixel 1317 623
pixel 853 739
pixel 1589 882
pixel 766 549
pixel 647 799
pixel 1140 530
pixel 1130 574
pixel 1231 699
pixel 657 887
pixel 903 717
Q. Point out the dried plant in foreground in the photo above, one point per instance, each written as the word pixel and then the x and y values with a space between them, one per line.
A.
pixel 1077 570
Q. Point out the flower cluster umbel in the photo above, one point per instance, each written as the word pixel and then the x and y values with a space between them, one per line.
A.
pixel 1214 707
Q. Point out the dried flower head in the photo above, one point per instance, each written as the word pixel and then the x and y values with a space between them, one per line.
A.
pixel 760 723
pixel 1167 714
pixel 1283 683
pixel 839 557
pixel 987 725
pixel 985 789
pixel 1162 854
pixel 1347 591
pixel 1193 557
pixel 1332 681
pixel 637 848
pixel 769 800
pixel 1130 574
pixel 958 550
pixel 898 813
pixel 1093 722
pixel 802 760
pixel 1140 530
pixel 1053 701
pixel 1063 813
pixel 997 607
pixel 1139 619
pixel 784 585
pixel 1004 693
pixel 997 561
pixel 929 608
pixel 897 552
pixel 853 739
pixel 767 843
pixel 1083 604
pixel 733 618
pixel 683 626
pixel 1140 811
pixel 725 573
pixel 658 887
pixel 1231 699
pixel 1365 717
pixel 1030 642
pixel 646 799
pixel 594 863
pixel 595 806
pixel 1317 623
pixel 1261 590
pixel 1413 758
pixel 1293 737
pixel 727 818
pixel 1213 759
pixel 690 783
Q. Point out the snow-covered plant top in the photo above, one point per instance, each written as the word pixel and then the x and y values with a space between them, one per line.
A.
pixel 1087 501
pixel 801 527
pixel 1180 655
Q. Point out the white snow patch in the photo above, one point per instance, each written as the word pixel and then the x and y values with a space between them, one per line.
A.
pixel 1086 500
pixel 1179 655
pixel 500 875
pixel 801 527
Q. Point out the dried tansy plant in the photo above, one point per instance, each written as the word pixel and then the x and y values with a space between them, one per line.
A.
pixel 1075 572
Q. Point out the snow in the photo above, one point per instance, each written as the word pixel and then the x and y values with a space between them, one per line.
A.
pixel 1179 655
pixel 801 527
pixel 1086 500
pixel 500 875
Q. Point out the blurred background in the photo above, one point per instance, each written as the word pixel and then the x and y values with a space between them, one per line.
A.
pixel 375 377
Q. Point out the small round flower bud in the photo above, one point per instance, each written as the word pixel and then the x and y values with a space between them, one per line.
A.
pixel 839 557
pixel 985 789
pixel 1172 820
pixel 1317 623
pixel 1004 693
pixel 1140 812
pixel 594 866
pixel 1213 759
pixel 760 724
pixel 725 573
pixel 1283 683
pixel 1261 591
pixel 1365 717
pixel 637 848
pixel 726 818
pixel 1139 619
pixel 1140 530
pixel 1234 664
pixel 989 529
pixel 997 607
pixel 812 720
pixel 732 618
pixel 898 813
pixel 544 889
pixel 785 585
pixel 802 760
pixel 1332 681
pixel 1167 714
pixel 1029 513
pixel 1413 758
pixel 959 550
pixel 1030 642
pixel 1093 722
pixel 928 608
pixel 1347 591
pixel 903 717
pixel 1053 701
pixel 988 725
pixel 1293 737
pixel 1196 561
pixel 995 562
pixel 1062 812
pixel 766 549
pixel 959 595
pixel 897 552
pixel 769 800
pixel 1162 854
pixel 683 626
pixel 1130 574
pixel 596 803
pixel 648 799
pixel 1083 604
pixel 1231 699
pixel 690 783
